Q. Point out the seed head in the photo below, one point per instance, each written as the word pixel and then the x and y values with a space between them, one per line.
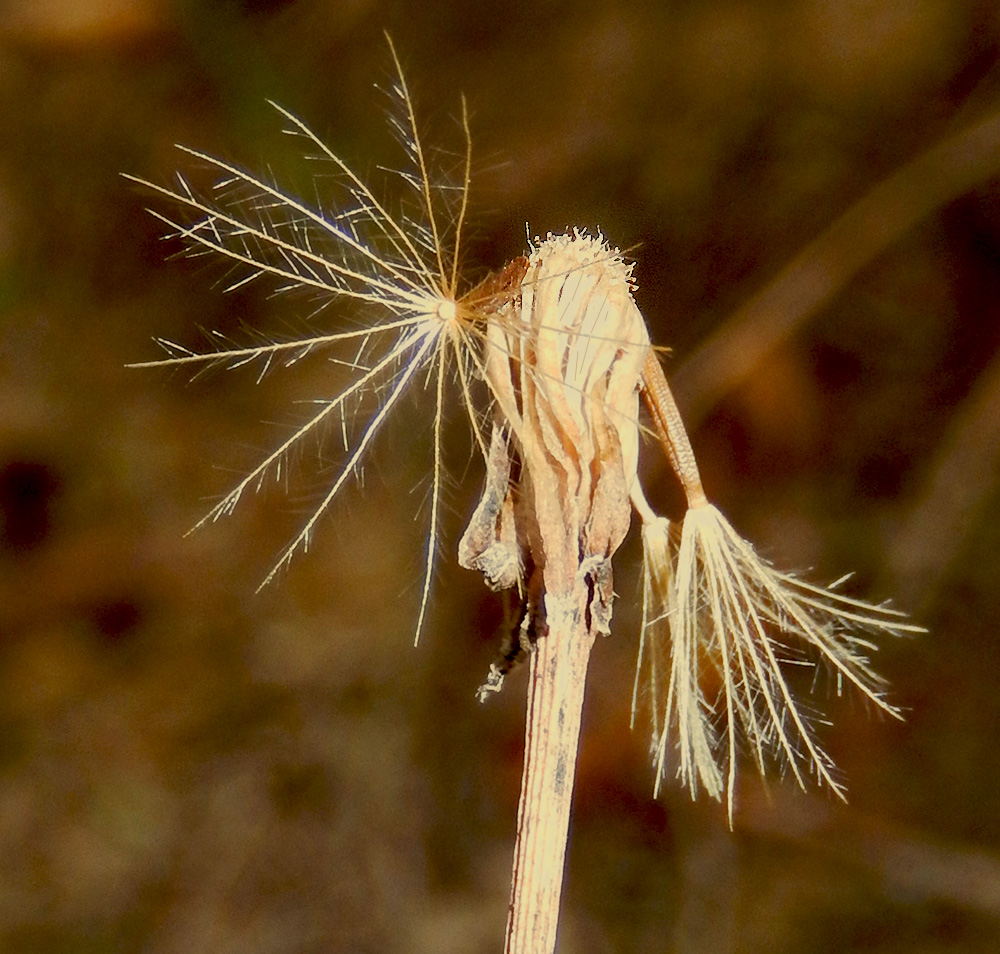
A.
pixel 557 344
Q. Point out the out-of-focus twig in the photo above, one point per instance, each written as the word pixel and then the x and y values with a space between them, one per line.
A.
pixel 964 472
pixel 908 862
pixel 826 264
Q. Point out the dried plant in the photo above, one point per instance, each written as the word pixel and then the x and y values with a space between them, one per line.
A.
pixel 404 270
pixel 712 606
pixel 719 607
pixel 564 354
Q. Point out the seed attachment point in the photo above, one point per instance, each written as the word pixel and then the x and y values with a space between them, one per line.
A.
pixel 447 311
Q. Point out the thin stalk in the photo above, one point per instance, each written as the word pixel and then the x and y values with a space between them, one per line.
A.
pixel 670 429
pixel 557 677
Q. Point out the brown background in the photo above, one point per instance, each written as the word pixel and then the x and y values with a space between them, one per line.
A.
pixel 188 767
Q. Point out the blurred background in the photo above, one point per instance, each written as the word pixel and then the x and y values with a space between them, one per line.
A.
pixel 810 191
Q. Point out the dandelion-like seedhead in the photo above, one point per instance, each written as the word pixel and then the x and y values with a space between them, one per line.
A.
pixel 558 346
pixel 400 272
pixel 720 629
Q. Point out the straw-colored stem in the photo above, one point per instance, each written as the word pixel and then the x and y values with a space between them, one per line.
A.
pixel 557 678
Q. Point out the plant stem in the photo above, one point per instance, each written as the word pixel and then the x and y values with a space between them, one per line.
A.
pixel 557 677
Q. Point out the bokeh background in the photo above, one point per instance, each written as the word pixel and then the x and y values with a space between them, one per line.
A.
pixel 187 766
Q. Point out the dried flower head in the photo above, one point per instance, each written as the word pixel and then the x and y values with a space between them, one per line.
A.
pixel 565 356
pixel 566 375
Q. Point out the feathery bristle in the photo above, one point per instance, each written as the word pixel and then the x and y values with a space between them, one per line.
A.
pixel 726 617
